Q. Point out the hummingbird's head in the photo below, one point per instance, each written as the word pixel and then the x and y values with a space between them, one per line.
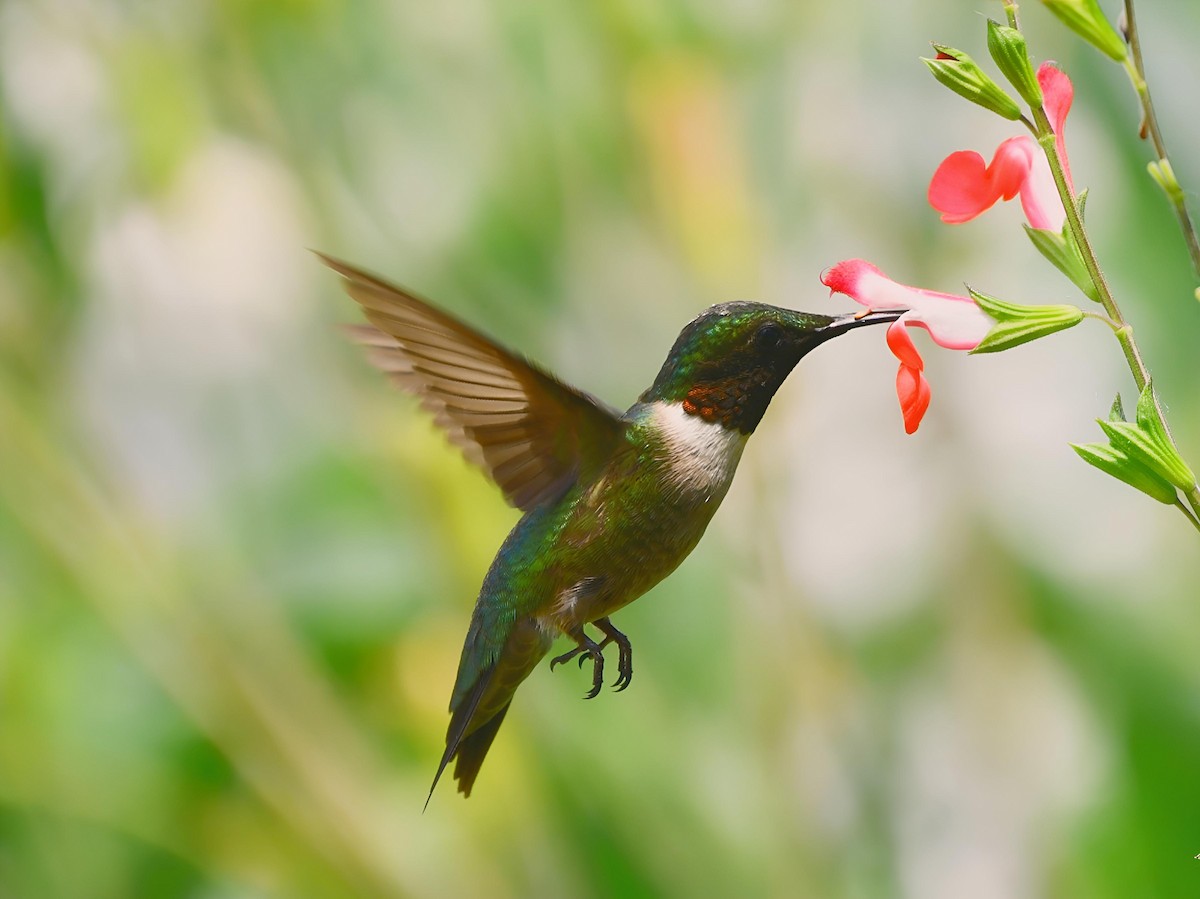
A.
pixel 728 362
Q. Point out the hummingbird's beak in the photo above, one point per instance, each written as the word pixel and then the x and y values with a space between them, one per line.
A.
pixel 844 323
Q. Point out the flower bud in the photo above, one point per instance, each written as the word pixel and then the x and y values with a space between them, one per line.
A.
pixel 1164 176
pixel 957 71
pixel 1007 47
pixel 1016 324
pixel 1085 19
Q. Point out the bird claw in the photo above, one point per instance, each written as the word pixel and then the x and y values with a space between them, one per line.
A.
pixel 566 657
pixel 590 649
pixel 624 660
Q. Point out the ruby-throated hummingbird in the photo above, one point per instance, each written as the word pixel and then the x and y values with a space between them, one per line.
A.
pixel 613 501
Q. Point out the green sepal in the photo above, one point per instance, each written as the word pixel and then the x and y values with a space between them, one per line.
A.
pixel 1059 248
pixel 1007 48
pixel 1085 18
pixel 1016 324
pixel 1135 443
pixel 1115 463
pixel 957 71
pixel 1117 411
pixel 1178 472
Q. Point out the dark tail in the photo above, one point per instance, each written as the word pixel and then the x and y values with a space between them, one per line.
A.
pixel 457 738
pixel 475 720
pixel 473 749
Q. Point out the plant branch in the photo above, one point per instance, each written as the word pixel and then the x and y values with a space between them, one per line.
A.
pixel 1136 70
pixel 1123 330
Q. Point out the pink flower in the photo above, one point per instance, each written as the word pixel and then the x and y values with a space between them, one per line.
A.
pixel 952 321
pixel 964 186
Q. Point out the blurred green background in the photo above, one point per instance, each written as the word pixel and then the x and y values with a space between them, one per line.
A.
pixel 236 569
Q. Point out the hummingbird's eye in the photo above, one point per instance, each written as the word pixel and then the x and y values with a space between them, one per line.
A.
pixel 768 335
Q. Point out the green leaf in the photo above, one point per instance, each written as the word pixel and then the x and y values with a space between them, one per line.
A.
pixel 1148 420
pixel 1118 465
pixel 1017 324
pixel 1062 253
pixel 1007 47
pixel 957 71
pixel 1137 444
pixel 1085 19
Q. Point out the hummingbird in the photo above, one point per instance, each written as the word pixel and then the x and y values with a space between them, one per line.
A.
pixel 612 501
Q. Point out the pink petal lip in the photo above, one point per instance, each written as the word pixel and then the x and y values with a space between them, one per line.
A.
pixel 953 321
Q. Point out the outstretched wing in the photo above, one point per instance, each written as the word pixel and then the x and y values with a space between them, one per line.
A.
pixel 531 433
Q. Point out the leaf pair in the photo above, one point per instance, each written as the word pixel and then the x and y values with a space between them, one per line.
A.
pixel 1140 453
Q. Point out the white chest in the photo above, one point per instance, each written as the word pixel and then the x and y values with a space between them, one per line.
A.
pixel 700 455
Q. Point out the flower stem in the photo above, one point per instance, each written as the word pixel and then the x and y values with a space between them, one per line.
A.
pixel 1188 515
pixel 1136 70
pixel 1123 330
pixel 1010 10
pixel 1102 318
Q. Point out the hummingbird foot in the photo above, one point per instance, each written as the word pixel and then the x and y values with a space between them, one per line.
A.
pixel 590 649
pixel 625 660
pixel 587 649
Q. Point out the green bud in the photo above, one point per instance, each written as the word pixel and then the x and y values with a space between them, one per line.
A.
pixel 1007 47
pixel 1164 176
pixel 1060 249
pixel 957 71
pixel 1017 324
pixel 1085 19
pixel 1115 463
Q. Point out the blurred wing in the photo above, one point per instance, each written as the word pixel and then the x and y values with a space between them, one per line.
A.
pixel 530 432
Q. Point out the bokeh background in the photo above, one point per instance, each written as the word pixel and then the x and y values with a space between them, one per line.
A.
pixel 236 569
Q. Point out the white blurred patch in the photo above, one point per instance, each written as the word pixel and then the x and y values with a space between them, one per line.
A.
pixel 993 752
pixel 197 303
pixel 197 284
pixel 56 91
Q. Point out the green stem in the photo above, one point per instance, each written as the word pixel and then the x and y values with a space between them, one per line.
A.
pixel 1188 515
pixel 1123 331
pixel 1136 70
pixel 1102 318
pixel 1010 10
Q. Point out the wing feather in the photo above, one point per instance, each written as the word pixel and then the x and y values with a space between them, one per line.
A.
pixel 531 433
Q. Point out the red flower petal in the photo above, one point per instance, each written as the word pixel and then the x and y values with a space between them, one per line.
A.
pixel 963 187
pixel 914 393
pixel 902 346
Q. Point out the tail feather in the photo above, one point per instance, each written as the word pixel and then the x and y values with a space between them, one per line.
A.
pixel 475 719
pixel 473 749
pixel 459 721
